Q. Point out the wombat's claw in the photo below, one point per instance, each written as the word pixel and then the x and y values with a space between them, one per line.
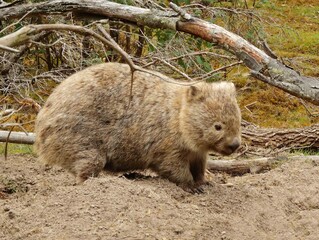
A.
pixel 194 189
pixel 198 190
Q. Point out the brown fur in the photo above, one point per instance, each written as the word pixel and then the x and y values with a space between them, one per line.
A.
pixel 89 124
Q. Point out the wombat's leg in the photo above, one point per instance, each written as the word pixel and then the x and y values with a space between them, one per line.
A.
pixel 88 164
pixel 198 168
pixel 178 171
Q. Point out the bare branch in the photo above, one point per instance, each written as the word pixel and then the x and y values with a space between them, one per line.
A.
pixel 174 68
pixel 192 54
pixel 46 45
pixel 9 49
pixel 209 74
pixel 268 50
pixel 180 11
pixel 117 48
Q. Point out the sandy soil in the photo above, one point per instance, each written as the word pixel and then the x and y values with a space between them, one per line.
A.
pixel 39 203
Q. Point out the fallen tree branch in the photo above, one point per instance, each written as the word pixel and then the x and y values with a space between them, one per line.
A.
pixel 9 49
pixel 26 33
pixel 273 140
pixel 5 5
pixel 263 67
pixel 17 137
pixel 240 167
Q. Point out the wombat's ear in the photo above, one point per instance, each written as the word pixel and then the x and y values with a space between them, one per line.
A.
pixel 194 94
pixel 232 89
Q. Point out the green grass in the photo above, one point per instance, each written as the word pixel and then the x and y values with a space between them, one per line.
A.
pixel 298 34
pixel 299 41
pixel 306 151
pixel 16 148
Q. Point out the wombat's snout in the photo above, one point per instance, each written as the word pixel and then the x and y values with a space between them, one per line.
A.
pixel 234 145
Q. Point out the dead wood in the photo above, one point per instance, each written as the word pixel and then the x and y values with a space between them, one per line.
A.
pixel 274 140
pixel 17 137
pixel 239 167
pixel 5 5
pixel 262 66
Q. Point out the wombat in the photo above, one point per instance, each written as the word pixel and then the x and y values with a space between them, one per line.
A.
pixel 96 120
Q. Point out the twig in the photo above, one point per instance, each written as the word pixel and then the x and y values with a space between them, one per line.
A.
pixel 126 56
pixel 9 49
pixel 15 23
pixel 17 125
pixel 180 11
pixel 207 75
pixel 192 54
pixel 250 104
pixel 46 45
pixel 203 53
pixel 174 68
pixel 8 115
pixel 267 49
pixel 308 110
pixel 6 145
pixel 134 67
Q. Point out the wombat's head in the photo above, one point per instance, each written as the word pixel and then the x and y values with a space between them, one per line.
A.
pixel 210 118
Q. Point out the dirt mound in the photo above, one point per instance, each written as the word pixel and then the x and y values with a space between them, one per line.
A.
pixel 42 203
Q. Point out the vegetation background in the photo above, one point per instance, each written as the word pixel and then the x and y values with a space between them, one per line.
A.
pixel 291 29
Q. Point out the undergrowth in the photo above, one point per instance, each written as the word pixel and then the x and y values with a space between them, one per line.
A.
pixel 292 32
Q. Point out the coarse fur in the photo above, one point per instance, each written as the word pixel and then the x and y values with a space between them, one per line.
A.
pixel 90 123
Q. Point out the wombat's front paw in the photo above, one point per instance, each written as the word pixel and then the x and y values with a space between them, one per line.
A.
pixel 193 189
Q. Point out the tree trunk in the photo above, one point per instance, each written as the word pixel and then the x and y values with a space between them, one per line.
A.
pixel 262 66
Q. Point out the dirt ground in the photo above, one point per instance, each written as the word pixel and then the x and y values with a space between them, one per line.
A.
pixel 41 203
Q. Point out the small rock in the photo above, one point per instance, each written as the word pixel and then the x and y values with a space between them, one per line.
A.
pixel 11 214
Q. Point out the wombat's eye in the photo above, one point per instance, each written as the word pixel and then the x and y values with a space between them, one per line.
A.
pixel 218 127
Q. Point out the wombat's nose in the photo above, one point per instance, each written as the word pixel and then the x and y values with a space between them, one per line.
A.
pixel 234 145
